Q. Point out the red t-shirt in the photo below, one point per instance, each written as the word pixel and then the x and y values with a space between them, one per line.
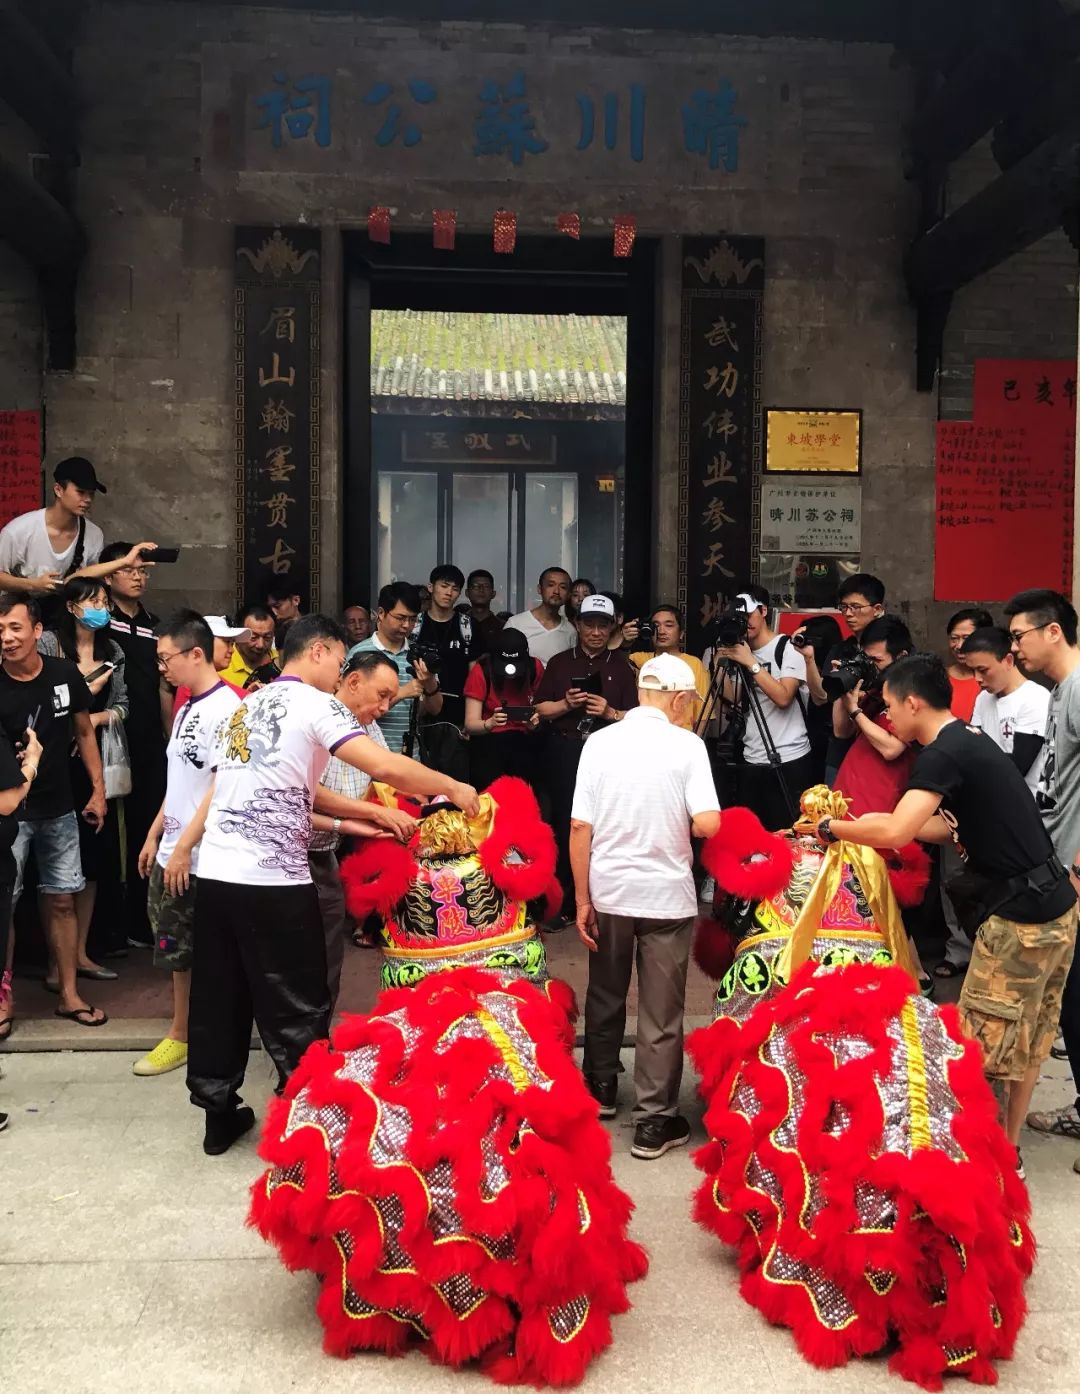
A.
pixel 479 684
pixel 964 693
pixel 869 782
pixel 183 694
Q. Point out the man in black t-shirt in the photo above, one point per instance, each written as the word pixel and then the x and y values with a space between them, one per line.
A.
pixel 51 696
pixel 442 738
pixel 963 788
pixel 149 717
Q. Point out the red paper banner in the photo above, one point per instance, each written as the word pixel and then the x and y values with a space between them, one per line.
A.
pixel 445 226
pixel 625 232
pixel 20 463
pixel 1004 513
pixel 505 231
pixel 378 224
pixel 570 224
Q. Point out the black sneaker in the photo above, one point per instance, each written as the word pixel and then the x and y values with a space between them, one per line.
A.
pixel 3 1121
pixel 223 1129
pixel 1020 1166
pixel 655 1136
pixel 605 1092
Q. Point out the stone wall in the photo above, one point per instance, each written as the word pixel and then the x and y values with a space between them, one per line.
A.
pixel 171 162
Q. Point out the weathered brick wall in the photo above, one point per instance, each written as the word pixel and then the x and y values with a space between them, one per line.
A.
pixel 171 163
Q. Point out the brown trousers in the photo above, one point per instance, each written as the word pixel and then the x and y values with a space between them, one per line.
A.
pixel 662 951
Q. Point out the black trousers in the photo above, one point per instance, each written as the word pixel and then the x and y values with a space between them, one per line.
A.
pixel 259 955
pixel 760 790
pixel 563 758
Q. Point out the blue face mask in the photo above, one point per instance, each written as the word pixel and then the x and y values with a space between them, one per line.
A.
pixel 94 619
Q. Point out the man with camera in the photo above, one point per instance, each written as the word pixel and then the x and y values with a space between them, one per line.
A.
pixel 399 605
pixel 449 644
pixel 874 772
pixel 1014 895
pixel 662 632
pixel 583 689
pixel 766 672
pixel 644 788
pixel 861 600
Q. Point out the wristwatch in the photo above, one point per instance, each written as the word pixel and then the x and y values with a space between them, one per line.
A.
pixel 825 831
pixel 754 669
pixel 1075 869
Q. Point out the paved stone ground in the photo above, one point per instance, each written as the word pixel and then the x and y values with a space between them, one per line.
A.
pixel 125 1263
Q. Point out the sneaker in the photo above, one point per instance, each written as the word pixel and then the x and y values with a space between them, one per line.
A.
pixel 1061 1122
pixel 166 1055
pixel 655 1136
pixel 604 1091
pixel 223 1129
pixel 1058 1051
pixel 1020 1166
pixel 3 1121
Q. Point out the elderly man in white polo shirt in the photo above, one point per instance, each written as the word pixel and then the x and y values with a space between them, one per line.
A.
pixel 644 788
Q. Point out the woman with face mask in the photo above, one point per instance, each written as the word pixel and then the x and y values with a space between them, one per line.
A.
pixel 81 634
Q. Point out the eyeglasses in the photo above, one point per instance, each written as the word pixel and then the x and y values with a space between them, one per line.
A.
pixel 1017 634
pixel 846 608
pixel 165 659
pixel 134 571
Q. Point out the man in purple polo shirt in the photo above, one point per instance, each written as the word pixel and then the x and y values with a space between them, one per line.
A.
pixel 259 949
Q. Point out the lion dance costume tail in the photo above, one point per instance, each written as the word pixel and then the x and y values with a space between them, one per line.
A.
pixel 440 1164
pixel 855 1159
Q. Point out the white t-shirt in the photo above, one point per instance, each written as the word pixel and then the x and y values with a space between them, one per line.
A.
pixel 787 725
pixel 196 731
pixel 544 643
pixel 640 782
pixel 25 544
pixel 1023 712
pixel 270 758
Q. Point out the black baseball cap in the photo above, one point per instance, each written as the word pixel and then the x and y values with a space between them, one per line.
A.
pixel 77 470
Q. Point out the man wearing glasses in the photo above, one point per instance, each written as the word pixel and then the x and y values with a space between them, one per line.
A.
pixel 1043 630
pixel 861 600
pixel 149 719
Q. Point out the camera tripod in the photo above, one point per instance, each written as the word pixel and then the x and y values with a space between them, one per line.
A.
pixel 727 747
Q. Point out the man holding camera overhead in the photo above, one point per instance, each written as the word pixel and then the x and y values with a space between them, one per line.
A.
pixel 399 605
pixel 775 764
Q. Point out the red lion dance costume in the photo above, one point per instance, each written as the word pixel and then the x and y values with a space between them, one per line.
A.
pixel 856 1162
pixel 439 1164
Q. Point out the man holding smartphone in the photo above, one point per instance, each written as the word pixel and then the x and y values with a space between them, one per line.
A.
pixel 582 690
pixel 50 696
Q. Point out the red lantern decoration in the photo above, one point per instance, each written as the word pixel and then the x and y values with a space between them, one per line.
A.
pixel 505 231
pixel 445 227
pixel 570 224
pixel 625 232
pixel 378 224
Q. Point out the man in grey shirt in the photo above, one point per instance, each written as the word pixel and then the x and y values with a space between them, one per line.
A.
pixel 1043 627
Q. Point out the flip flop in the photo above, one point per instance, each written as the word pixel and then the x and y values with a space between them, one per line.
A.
pixel 78 1013
pixel 947 969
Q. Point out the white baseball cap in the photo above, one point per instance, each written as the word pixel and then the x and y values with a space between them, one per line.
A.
pixel 220 628
pixel 666 673
pixel 597 605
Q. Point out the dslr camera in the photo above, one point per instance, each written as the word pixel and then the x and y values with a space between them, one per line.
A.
pixel 646 638
pixel 855 670
pixel 428 654
pixel 731 627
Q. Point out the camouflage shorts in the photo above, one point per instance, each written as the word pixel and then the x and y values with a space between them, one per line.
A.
pixel 1011 998
pixel 171 918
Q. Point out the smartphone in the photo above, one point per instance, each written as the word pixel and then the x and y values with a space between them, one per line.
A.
pixel 518 713
pixel 99 672
pixel 160 554
pixel 591 683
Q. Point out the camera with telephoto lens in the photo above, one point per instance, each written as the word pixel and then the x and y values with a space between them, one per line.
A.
pixel 855 670
pixel 800 640
pixel 731 627
pixel 427 654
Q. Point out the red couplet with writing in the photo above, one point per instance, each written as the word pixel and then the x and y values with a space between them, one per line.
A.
pixel 1005 483
pixel 20 463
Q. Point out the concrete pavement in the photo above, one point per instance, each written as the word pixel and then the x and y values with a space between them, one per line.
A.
pixel 125 1263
